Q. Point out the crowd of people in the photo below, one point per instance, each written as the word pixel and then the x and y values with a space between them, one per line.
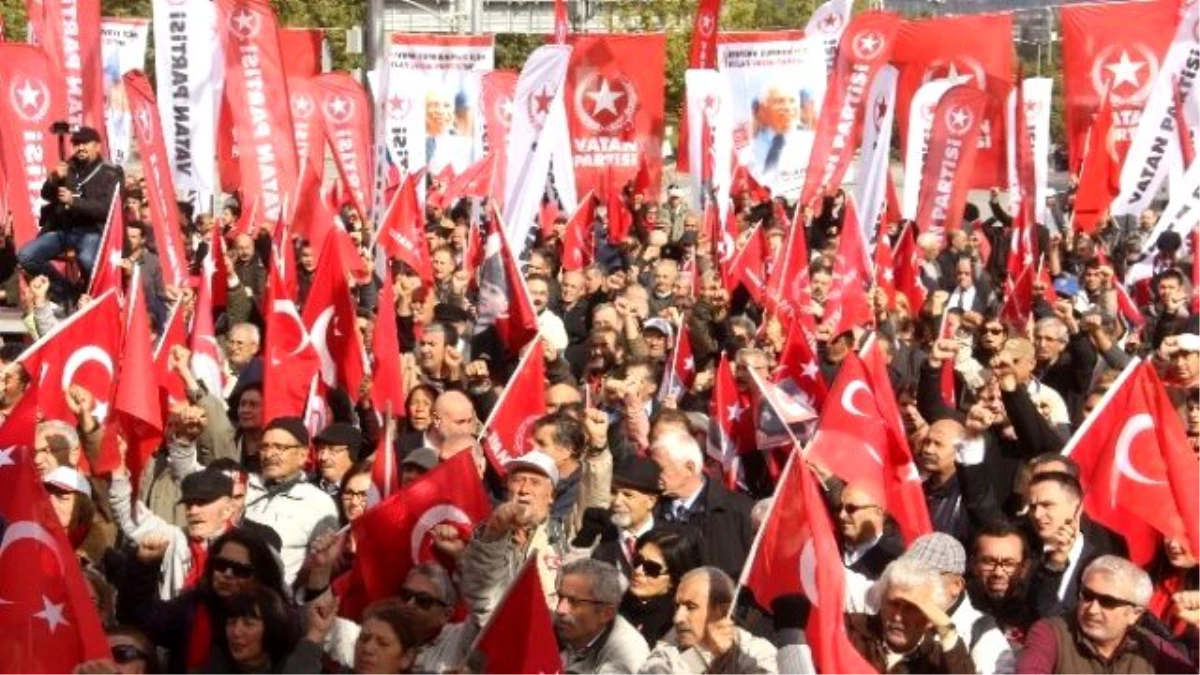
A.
pixel 226 557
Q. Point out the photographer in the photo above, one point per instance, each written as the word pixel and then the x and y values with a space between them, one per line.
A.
pixel 78 195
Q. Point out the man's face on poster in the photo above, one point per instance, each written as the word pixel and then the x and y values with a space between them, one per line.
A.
pixel 439 112
pixel 781 109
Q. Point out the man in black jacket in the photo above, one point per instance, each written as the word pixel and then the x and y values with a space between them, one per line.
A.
pixel 79 194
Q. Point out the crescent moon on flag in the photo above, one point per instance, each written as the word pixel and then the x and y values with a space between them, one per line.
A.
pixel 27 529
pixel 81 356
pixel 320 336
pixel 1122 465
pixel 808 572
pixel 848 397
pixel 442 513
pixel 288 309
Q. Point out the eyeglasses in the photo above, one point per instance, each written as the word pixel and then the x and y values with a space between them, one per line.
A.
pixel 852 509
pixel 422 600
pixel 266 447
pixel 127 654
pixel 990 564
pixel 1108 602
pixel 237 569
pixel 650 568
pixel 354 495
pixel 575 602
pixel 994 330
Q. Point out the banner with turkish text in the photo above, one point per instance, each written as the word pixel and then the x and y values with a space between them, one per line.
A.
pixel 777 81
pixel 346 112
pixel 256 87
pixel 72 39
pixel 1038 94
pixel 920 124
pixel 874 160
pixel 32 102
pixel 825 27
pixel 122 49
pixel 440 75
pixel 308 127
pixel 952 152
pixel 614 102
pixel 978 47
pixel 499 87
pixel 1117 46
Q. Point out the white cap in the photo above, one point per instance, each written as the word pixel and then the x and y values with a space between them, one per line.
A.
pixel 66 478
pixel 535 460
pixel 661 325
pixel 1189 342
pixel 674 191
pixel 552 330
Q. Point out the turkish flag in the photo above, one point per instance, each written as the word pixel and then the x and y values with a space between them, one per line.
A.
pixel 788 287
pixel 36 100
pixel 286 388
pixel 614 98
pixel 156 171
pixel 477 181
pixel 256 87
pixel 330 315
pixel 207 360
pixel 221 271
pixel 387 382
pixel 798 364
pixel 503 299
pixel 402 233
pixel 750 264
pixel 953 145
pixel 578 243
pixel 83 350
pixel 1122 450
pixel 908 268
pixel 885 269
pixel 1117 46
pixel 47 618
pixel 743 183
pixel 385 474
pixel 1018 299
pixel 519 637
pixel 978 46
pixel 106 272
pixel 395 535
pixel 702 55
pixel 170 386
pixel 137 414
pixel 851 271
pixel 796 552
pixel 731 423
pixel 508 432
pixel 346 110
pixel 308 131
pixel 681 366
pixel 1100 173
pixel 725 236
pixel 620 219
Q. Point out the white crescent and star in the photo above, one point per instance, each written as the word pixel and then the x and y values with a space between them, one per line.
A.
pixel 1122 465
pixel 288 309
pixel 848 397
pixel 437 515
pixel 320 337
pixel 75 362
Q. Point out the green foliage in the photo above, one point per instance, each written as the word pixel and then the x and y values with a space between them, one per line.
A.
pixel 513 48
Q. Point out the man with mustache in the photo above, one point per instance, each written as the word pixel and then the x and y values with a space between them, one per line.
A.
pixel 592 637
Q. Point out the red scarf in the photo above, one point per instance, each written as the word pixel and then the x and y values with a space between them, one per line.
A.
pixel 200 641
pixel 199 550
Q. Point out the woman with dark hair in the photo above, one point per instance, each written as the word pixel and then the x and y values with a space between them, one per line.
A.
pixel 419 406
pixel 352 497
pixel 662 557
pixel 192 625
pixel 387 642
pixel 259 634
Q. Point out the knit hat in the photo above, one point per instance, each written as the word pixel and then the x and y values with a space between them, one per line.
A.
pixel 292 425
pixel 940 552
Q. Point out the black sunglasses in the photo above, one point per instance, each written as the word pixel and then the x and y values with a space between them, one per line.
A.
pixel 649 567
pixel 1105 601
pixel 422 600
pixel 852 509
pixel 237 569
pixel 127 654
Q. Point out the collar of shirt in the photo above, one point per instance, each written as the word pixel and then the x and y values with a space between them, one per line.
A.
pixel 855 553
pixel 686 504
pixel 1072 562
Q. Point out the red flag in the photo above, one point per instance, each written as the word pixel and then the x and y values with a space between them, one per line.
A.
pixel 851 270
pixel 620 219
pixel 519 637
pixel 743 183
pixel 866 46
pixel 331 318
pixel 346 110
pixel 170 385
pixel 402 233
pixel 394 536
pixel 477 180
pixel 301 49
pixel 978 46
pixel 47 618
pixel 1121 43
pixel 72 39
pixel 798 364
pixel 34 101
pixel 885 269
pixel 788 287
pixel 207 360
pixel 220 275
pixel 908 268
pixel 137 416
pixel 496 98
pixel 724 239
pixel 578 243
pixel 228 153
pixel 385 474
pixel 286 388
pixel 79 350
pixel 106 271
pixel 1100 173
pixel 561 25
pixel 750 264
pixel 503 299
pixel 308 132
pixel 731 423
pixel 156 170
pixel 1018 299
pixel 508 432
pixel 256 86
pixel 387 382
pixel 681 367
pixel 796 551
pixel 1122 451
pixel 953 144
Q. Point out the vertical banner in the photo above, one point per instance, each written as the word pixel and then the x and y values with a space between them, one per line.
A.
pixel 1155 150
pixel 440 75
pixel 953 145
pixel 308 127
pixel 614 97
pixel 865 48
pixel 920 123
pixel 710 104
pixel 346 112
pixel 122 49
pixel 256 87
pixel 825 28
pixel 301 49
pixel 31 103
pixel 1038 93
pixel 874 163
pixel 72 39
pixel 1117 45
pixel 977 46
pixel 160 189
pixel 777 81
pixel 499 87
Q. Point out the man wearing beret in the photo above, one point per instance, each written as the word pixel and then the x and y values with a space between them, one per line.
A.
pixel 635 493
pixel 338 448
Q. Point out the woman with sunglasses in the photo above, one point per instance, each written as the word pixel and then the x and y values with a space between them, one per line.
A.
pixel 191 626
pixel 662 556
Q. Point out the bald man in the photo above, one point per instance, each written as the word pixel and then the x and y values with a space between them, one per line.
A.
pixel 956 481
pixel 867 545
pixel 454 414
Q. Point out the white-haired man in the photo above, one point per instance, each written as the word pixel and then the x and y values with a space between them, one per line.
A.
pixel 689 499
pixel 1102 636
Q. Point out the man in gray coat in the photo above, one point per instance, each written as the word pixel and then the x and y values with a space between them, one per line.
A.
pixel 592 636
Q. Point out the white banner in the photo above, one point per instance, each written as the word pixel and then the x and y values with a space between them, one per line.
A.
pixel 920 120
pixel 439 76
pixel 876 146
pixel 188 68
pixel 1038 92
pixel 826 26
pixel 539 122
pixel 1154 152
pixel 122 49
pixel 777 83
pixel 1182 212
pixel 710 101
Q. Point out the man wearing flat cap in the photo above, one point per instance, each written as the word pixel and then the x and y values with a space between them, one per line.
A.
pixel 338 447
pixel 78 195
pixel 635 493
